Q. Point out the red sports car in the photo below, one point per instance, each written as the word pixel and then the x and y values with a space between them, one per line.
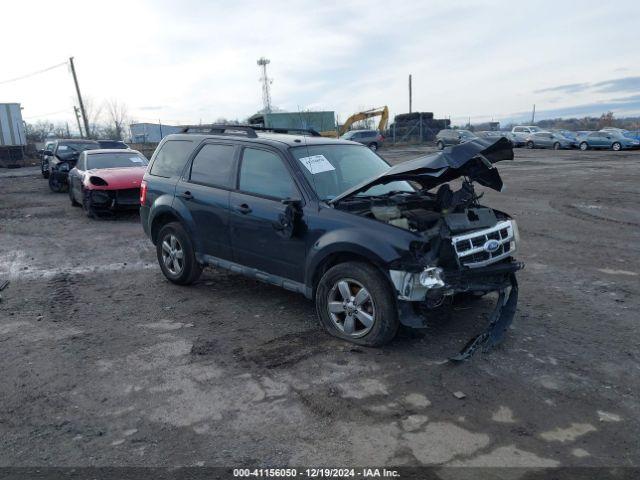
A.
pixel 107 180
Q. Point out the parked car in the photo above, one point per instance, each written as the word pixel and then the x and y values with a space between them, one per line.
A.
pixel 117 144
pixel 635 135
pixel 107 180
pixel 449 136
pixel 44 158
pixel 521 132
pixel 371 138
pixel 568 134
pixel 549 140
pixel 59 157
pixel 330 219
pixel 607 140
pixel 499 133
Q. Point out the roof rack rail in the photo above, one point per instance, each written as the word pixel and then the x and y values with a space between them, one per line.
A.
pixel 220 129
pixel 308 131
pixel 248 130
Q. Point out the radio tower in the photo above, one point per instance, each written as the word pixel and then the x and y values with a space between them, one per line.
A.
pixel 266 81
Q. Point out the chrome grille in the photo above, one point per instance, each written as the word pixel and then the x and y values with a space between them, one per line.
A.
pixel 470 247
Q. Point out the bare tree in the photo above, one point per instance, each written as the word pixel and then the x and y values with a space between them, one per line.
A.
pixel 118 117
pixel 94 112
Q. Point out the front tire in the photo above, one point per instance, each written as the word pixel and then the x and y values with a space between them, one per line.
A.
pixel 74 203
pixel 176 255
pixel 530 145
pixel 557 146
pixel 584 146
pixel 373 146
pixel 55 184
pixel 440 145
pixel 616 146
pixel 44 170
pixel 355 302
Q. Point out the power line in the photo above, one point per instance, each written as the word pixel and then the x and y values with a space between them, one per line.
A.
pixel 45 114
pixel 32 73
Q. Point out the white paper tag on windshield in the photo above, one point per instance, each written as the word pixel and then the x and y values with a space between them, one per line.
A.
pixel 317 164
pixel 135 159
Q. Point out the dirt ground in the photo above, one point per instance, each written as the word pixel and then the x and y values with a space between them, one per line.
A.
pixel 104 362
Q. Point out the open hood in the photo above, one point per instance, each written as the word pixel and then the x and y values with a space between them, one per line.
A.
pixel 473 159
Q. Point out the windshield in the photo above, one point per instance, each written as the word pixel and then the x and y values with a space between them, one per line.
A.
pixel 115 160
pixel 72 150
pixel 339 167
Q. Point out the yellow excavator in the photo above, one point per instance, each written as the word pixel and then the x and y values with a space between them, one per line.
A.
pixel 382 112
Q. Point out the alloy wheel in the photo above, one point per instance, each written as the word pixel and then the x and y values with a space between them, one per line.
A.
pixel 351 308
pixel 172 254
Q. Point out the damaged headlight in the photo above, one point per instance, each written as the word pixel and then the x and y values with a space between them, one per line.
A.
pixel 432 277
pixel 413 286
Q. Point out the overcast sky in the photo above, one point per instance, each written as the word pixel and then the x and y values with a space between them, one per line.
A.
pixel 190 61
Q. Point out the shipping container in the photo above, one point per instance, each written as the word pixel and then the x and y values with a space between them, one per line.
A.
pixel 319 121
pixel 12 136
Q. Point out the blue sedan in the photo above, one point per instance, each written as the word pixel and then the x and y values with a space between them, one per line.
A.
pixel 606 140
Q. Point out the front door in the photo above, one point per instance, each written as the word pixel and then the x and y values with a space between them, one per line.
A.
pixel 256 208
pixel 204 191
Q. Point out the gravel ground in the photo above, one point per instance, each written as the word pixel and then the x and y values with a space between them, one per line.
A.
pixel 106 363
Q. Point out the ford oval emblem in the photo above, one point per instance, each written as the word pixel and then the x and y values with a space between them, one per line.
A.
pixel 491 246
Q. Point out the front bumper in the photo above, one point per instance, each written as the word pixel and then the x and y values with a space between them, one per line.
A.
pixel 128 199
pixel 499 277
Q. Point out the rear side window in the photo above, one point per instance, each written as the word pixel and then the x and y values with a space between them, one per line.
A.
pixel 171 158
pixel 263 173
pixel 214 165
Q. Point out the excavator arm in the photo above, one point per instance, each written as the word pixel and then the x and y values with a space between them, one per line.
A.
pixel 382 112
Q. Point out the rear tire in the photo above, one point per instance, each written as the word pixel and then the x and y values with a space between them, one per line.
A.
pixel 440 145
pixel 176 255
pixel 530 145
pixel 584 146
pixel 556 146
pixel 373 146
pixel 45 171
pixel 366 318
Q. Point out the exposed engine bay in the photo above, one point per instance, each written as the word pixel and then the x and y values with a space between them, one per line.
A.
pixel 462 247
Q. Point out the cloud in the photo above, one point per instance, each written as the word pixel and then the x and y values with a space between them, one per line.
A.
pixel 152 107
pixel 624 84
pixel 570 88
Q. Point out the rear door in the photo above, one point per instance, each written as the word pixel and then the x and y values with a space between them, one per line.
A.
pixel 265 180
pixel 204 190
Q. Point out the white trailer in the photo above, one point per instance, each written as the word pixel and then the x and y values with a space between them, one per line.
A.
pixel 12 136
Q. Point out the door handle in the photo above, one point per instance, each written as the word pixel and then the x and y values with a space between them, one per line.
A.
pixel 187 195
pixel 243 209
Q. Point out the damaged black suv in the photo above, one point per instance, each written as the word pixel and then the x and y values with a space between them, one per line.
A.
pixel 375 246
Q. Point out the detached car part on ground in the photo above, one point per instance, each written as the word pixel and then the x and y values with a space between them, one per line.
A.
pixel 384 251
pixel 107 180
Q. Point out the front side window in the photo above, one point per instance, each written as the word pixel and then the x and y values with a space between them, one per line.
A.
pixel 171 158
pixel 263 173
pixel 72 150
pixel 333 169
pixel 214 165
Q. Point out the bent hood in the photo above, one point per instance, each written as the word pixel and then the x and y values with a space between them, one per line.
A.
pixel 473 159
pixel 118 178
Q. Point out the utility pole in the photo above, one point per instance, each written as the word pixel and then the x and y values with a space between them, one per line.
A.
pixel 533 114
pixel 76 111
pixel 84 113
pixel 68 132
pixel 410 93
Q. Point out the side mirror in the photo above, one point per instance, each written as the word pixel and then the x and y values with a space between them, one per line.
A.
pixel 287 221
